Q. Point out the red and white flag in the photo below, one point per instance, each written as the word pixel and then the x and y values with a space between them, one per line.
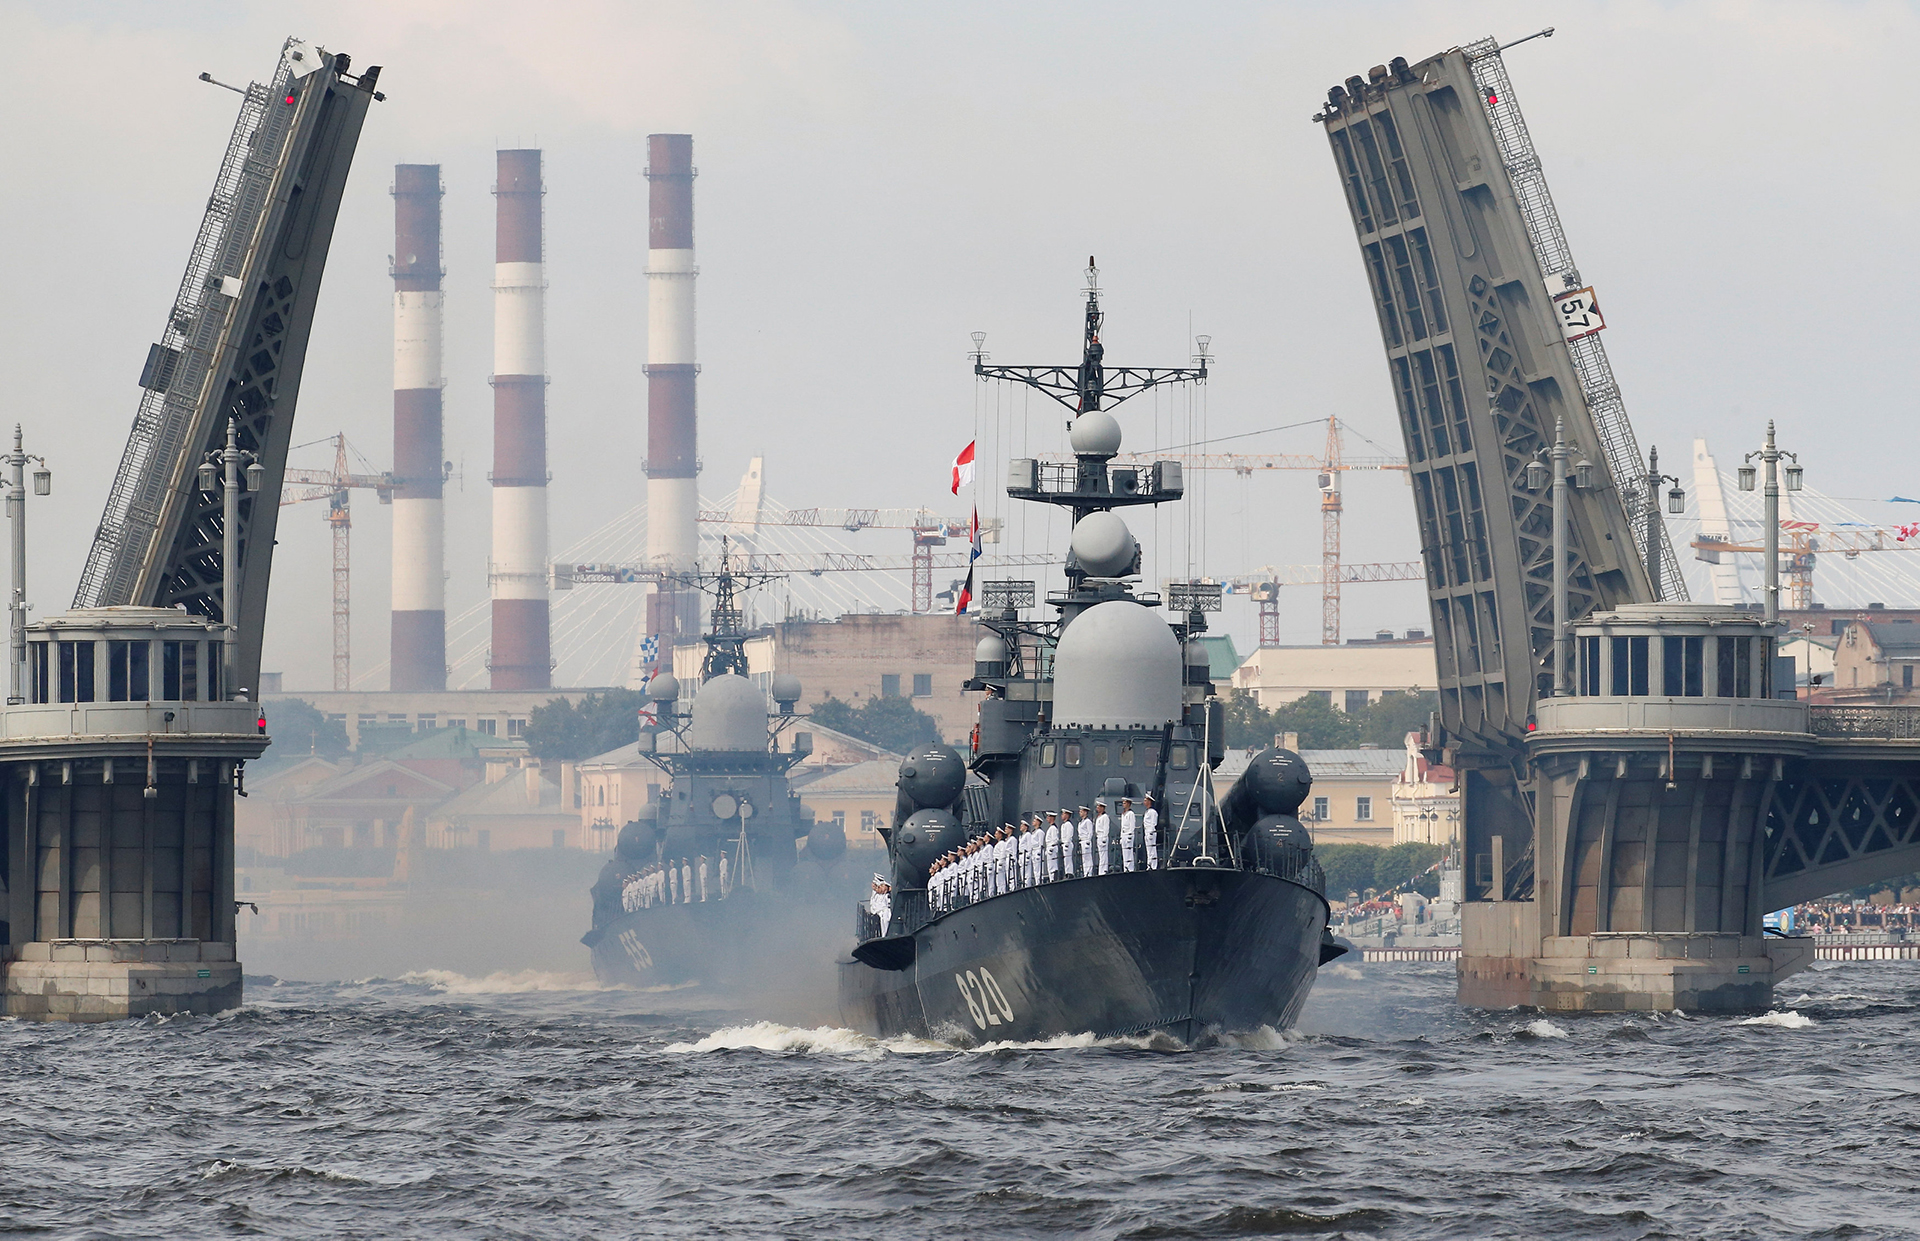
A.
pixel 963 469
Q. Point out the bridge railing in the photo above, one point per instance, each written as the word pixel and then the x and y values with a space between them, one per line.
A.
pixel 1869 723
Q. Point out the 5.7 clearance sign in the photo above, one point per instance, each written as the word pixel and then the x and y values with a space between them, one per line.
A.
pixel 1579 313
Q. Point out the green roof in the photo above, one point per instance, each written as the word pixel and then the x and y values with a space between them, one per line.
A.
pixel 1222 658
pixel 460 743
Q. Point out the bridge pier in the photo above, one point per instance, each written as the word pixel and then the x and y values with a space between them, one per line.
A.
pixel 117 780
pixel 1651 825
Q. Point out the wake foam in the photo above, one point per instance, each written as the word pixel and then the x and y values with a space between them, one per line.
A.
pixel 1542 1029
pixel 773 1037
pixel 511 982
pixel 1789 1020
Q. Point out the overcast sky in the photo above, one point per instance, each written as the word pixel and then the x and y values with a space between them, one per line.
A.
pixel 878 180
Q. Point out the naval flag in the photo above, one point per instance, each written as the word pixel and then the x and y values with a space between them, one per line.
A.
pixel 973 554
pixel 963 469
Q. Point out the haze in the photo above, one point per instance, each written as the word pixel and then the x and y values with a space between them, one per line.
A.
pixel 876 181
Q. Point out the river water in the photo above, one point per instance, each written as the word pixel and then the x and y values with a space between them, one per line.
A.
pixel 531 1105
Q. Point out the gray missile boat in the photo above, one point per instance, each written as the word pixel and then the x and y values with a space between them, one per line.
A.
pixel 706 887
pixel 1215 927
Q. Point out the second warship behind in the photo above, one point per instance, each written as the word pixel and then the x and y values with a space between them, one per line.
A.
pixel 999 925
pixel 705 886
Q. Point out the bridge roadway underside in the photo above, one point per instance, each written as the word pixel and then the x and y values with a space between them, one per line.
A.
pixel 1666 829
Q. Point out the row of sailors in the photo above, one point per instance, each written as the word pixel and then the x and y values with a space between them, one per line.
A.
pixel 1041 850
pixel 674 883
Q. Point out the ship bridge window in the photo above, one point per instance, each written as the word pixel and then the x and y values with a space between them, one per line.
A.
pixel 1101 755
pixel 1046 754
pixel 1178 758
pixel 1126 755
pixel 1684 673
pixel 1630 668
pixel 1072 755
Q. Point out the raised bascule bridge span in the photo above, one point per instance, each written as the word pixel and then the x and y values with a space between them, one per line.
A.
pixel 1640 783
pixel 124 741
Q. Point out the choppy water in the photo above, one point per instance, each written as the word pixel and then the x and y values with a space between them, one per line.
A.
pixel 521 1106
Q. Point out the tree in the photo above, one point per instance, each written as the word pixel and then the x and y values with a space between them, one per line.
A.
pixel 567 732
pixel 890 723
pixel 1399 863
pixel 1248 723
pixel 304 729
pixel 1319 725
pixel 1387 720
pixel 1349 868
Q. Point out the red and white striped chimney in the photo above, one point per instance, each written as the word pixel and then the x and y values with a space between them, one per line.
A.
pixel 418 657
pixel 673 497
pixel 521 656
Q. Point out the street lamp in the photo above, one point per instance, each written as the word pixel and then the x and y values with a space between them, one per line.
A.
pixel 220 472
pixel 1676 503
pixel 17 519
pixel 1771 456
pixel 1549 468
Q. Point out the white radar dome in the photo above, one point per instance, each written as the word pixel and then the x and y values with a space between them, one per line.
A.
pixel 1118 666
pixel 1103 545
pixel 786 687
pixel 664 688
pixel 991 649
pixel 729 713
pixel 1095 433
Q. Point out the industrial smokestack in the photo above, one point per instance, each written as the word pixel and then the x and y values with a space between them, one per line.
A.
pixel 673 498
pixel 518 576
pixel 418 659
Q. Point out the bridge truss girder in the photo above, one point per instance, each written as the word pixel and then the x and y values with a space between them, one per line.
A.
pixel 240 328
pixel 1480 373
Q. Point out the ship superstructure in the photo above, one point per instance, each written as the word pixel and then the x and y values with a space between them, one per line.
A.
pixel 1011 915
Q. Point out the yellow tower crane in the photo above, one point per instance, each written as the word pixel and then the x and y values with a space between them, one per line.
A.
pixel 336 486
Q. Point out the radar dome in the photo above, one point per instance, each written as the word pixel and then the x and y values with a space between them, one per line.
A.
pixel 1095 434
pixel 1103 545
pixel 1118 666
pixel 729 713
pixel 664 688
pixel 786 687
pixel 991 649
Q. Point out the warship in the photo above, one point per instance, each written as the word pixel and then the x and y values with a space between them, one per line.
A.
pixel 1211 920
pixel 704 886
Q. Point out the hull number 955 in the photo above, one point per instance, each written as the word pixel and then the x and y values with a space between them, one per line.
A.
pixel 985 1000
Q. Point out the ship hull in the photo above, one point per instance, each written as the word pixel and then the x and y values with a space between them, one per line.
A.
pixel 752 942
pixel 1192 953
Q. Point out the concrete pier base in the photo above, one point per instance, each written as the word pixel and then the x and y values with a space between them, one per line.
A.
pixel 114 979
pixel 1634 971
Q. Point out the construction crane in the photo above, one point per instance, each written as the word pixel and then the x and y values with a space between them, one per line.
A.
pixel 1263 585
pixel 1330 465
pixel 567 576
pixel 336 486
pixel 930 530
pixel 1801 542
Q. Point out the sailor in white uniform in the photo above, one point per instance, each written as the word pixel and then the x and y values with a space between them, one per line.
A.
pixel 880 904
pixel 1129 824
pixel 1003 858
pixel 1102 839
pixel 702 889
pixel 726 884
pixel 1053 846
pixel 1068 847
pixel 1150 826
pixel 1086 841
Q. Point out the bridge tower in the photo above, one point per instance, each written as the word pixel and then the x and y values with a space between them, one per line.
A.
pixel 118 771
